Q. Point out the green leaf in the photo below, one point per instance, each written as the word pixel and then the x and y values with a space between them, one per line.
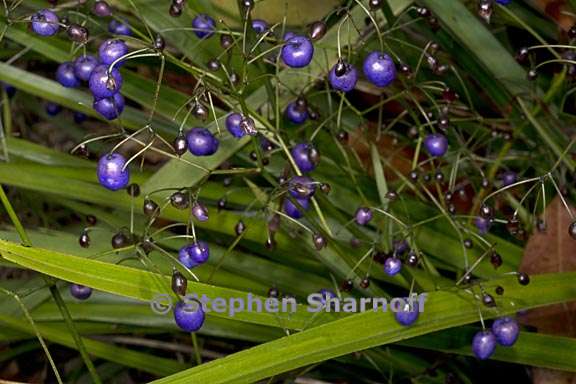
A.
pixel 443 309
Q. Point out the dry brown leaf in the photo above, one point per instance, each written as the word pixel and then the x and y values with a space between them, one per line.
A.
pixel 552 251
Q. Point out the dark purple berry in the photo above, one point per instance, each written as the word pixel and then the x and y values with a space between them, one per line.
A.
pixel 189 315
pixel 77 33
pixel 80 292
pixel 319 241
pixel 379 69
pixel 150 208
pixel 84 239
pixel 204 26
pixel 306 157
pixel 239 228
pixel 295 210
pixel 508 178
pixel 297 51
pixel 195 254
pixel 317 30
pixel 101 9
pixel 84 66
pixel 523 278
pixel 506 330
pixel 133 190
pixel 110 107
pixel 363 215
pixel 301 187
pixel 120 240
pixel 392 266
pixel 45 23
pixel 112 50
pixel 484 344
pixel 180 145
pixel 436 144
pixel 179 200
pixel 408 313
pixel 200 212
pixel 343 77
pixel 110 171
pixel 102 84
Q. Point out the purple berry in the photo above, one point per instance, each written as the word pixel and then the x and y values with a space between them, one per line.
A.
pixel 111 50
pixel 109 107
pixel 102 9
pixel 259 26
pixel 201 142
pixel 408 313
pixel 103 85
pixel 379 69
pixel 84 66
pixel 110 173
pixel 306 157
pixel 10 90
pixel 200 212
pixel 119 28
pixel 65 75
pixel 436 144
pixel 52 109
pixel 346 81
pixel 189 315
pixel 484 344
pixel 204 26
pixel 363 215
pixel 392 266
pixel 195 254
pixel 506 330
pixel 482 224
pixel 327 294
pixel 80 292
pixel 297 51
pixel 45 23
pixel 294 211
pixel 503 2
pixel 301 187
pixel 295 113
pixel 508 178
pixel 79 117
pixel 233 125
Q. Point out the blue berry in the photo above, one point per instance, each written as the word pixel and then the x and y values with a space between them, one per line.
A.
pixel 508 178
pixel 379 69
pixel 80 292
pixel 392 266
pixel 436 144
pixel 297 51
pixel 343 77
pixel 484 344
pixel 84 66
pixel 259 26
pixel 109 107
pixel 119 28
pixel 110 173
pixel 65 75
pixel 189 316
pixel 204 26
pixel 363 215
pixel 297 114
pixel 45 23
pixel 482 224
pixel 195 254
pixel 52 109
pixel 295 211
pixel 111 50
pixel 200 212
pixel 408 313
pixel 201 142
pixel 233 125
pixel 301 187
pixel 79 117
pixel 306 157
pixel 327 294
pixel 503 2
pixel 10 90
pixel 506 330
pixel 102 85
